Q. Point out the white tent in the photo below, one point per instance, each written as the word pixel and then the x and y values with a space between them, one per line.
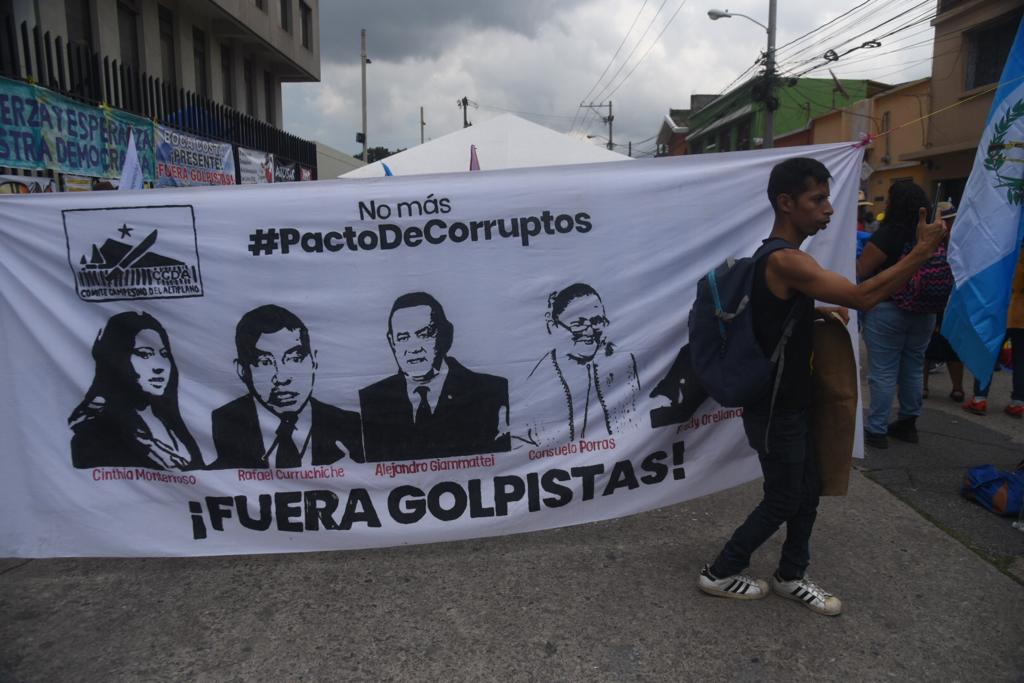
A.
pixel 505 141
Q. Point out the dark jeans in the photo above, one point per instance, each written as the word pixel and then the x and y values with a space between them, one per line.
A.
pixel 791 489
pixel 1016 338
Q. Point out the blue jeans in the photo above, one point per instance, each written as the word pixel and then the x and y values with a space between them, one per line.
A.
pixel 791 488
pixel 1016 337
pixel 896 342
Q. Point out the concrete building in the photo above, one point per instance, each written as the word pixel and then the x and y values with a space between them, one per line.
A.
pixel 735 120
pixel 331 163
pixel 234 52
pixel 972 41
pixel 900 108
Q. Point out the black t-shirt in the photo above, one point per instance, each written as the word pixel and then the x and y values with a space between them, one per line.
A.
pixel 891 238
pixel 770 313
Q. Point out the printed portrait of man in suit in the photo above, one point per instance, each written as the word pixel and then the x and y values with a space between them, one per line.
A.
pixel 433 407
pixel 279 424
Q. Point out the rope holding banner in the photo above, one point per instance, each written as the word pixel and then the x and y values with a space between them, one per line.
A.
pixel 865 140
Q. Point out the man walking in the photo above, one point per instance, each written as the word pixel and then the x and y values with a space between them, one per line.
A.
pixel 798 190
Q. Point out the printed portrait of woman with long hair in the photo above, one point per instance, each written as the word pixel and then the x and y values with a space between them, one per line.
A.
pixel 129 416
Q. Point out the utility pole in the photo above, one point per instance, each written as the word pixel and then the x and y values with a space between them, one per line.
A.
pixel 423 124
pixel 465 103
pixel 769 69
pixel 604 119
pixel 363 62
pixel 630 148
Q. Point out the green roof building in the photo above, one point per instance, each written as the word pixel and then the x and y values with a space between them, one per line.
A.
pixel 735 120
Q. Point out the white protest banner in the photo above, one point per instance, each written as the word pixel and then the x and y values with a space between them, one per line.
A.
pixel 255 167
pixel 184 160
pixel 352 364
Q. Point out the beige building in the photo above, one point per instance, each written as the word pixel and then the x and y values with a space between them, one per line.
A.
pixel 972 41
pixel 234 52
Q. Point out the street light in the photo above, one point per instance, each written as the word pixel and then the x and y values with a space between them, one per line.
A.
pixel 363 61
pixel 769 64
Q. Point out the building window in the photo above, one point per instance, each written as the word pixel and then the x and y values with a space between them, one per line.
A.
pixel 268 93
pixel 987 50
pixel 128 34
pixel 261 4
pixel 286 15
pixel 202 66
pixel 723 140
pixel 79 19
pixel 168 63
pixel 250 88
pixel 227 74
pixel 306 22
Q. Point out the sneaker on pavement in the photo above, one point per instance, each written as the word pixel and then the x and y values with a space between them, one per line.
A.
pixel 813 596
pixel 875 440
pixel 1015 409
pixel 978 406
pixel 904 429
pixel 737 586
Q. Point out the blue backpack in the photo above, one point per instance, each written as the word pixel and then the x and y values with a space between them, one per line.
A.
pixel 999 492
pixel 727 358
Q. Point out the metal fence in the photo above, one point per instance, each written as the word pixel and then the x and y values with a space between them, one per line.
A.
pixel 84 75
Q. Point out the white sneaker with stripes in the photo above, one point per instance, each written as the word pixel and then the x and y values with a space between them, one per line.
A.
pixel 812 595
pixel 738 586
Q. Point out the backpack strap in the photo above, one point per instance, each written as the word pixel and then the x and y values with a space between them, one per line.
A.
pixel 770 246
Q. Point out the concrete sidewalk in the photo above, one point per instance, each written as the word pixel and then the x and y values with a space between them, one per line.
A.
pixel 609 601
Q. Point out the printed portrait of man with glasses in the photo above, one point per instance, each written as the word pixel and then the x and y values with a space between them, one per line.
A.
pixel 433 407
pixel 279 424
pixel 598 385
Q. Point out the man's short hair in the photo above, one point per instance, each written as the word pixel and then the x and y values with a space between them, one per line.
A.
pixel 265 320
pixel 445 330
pixel 790 177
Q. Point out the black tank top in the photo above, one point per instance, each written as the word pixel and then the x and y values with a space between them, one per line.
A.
pixel 770 313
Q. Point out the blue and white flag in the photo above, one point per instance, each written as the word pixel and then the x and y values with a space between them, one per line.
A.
pixel 985 243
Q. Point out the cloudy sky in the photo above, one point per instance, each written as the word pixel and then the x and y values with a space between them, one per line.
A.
pixel 542 58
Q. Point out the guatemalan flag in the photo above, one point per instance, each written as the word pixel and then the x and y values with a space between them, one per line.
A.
pixel 986 239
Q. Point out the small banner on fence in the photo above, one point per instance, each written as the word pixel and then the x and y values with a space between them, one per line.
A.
pixel 352 364
pixel 40 129
pixel 26 184
pixel 284 171
pixel 305 173
pixel 255 167
pixel 183 160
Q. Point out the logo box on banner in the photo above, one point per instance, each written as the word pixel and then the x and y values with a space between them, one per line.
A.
pixel 370 363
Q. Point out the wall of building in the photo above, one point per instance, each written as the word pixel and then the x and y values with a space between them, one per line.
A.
pixel 249 34
pixel 961 126
pixel 331 163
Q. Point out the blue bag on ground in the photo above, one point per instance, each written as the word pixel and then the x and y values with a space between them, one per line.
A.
pixel 727 358
pixel 999 492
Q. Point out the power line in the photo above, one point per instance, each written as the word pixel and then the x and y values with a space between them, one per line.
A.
pixel 826 24
pixel 525 113
pixel 814 48
pixel 663 29
pixel 610 61
pixel 643 35
pixel 831 56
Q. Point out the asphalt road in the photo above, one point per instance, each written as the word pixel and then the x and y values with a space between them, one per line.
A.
pixel 932 589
